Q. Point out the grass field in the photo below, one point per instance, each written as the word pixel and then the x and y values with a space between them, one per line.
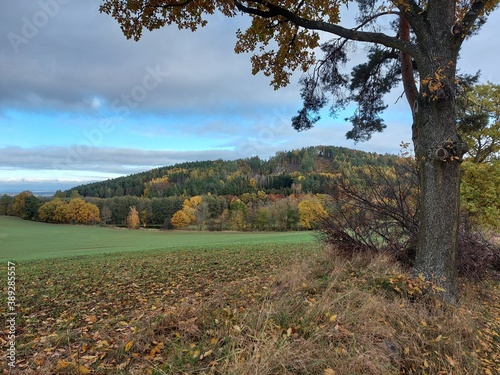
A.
pixel 156 303
pixel 26 240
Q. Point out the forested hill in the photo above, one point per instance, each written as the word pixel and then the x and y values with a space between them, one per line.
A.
pixel 308 170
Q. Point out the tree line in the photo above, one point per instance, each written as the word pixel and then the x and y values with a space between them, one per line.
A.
pixel 303 184
pixel 248 212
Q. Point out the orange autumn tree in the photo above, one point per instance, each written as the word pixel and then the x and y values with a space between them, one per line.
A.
pixel 187 215
pixel 133 221
pixel 412 42
pixel 81 212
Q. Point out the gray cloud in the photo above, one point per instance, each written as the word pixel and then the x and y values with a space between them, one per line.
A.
pixel 100 159
pixel 78 54
pixel 59 54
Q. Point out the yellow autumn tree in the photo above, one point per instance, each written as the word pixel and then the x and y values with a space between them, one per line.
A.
pixel 311 211
pixel 81 212
pixel 181 219
pixel 187 215
pixel 156 187
pixel 192 202
pixel 54 211
pixel 133 221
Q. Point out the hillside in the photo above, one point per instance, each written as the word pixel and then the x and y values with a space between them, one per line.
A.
pixel 307 170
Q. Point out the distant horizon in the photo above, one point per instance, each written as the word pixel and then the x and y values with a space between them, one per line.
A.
pixel 38 189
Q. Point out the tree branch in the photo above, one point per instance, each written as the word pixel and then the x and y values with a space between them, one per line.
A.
pixel 470 17
pixel 170 5
pixel 374 17
pixel 408 79
pixel 351 34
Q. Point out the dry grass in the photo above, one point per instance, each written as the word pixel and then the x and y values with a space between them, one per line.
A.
pixel 346 316
pixel 260 312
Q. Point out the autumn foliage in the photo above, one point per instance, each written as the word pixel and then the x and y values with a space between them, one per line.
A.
pixel 77 211
pixel 133 221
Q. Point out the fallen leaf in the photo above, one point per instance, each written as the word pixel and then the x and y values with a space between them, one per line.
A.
pixel 450 360
pixel 122 365
pixel 129 345
pixel 206 354
pixel 156 349
pixel 61 365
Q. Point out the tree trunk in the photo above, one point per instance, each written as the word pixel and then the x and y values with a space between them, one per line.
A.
pixel 439 150
pixel 437 248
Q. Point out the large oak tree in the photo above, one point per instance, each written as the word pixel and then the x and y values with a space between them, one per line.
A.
pixel 419 46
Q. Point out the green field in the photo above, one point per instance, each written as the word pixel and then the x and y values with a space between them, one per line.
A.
pixel 26 240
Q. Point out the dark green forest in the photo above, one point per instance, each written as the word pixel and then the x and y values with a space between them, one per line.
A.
pixel 308 170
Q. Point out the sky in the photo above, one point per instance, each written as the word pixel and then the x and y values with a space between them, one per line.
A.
pixel 80 103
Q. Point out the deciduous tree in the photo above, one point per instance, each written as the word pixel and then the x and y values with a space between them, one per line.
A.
pixel 80 212
pixel 26 205
pixel 181 219
pixel 54 211
pixel 480 193
pixel 421 51
pixel 133 221
pixel 311 212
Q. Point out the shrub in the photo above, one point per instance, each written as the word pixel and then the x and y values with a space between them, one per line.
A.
pixel 379 214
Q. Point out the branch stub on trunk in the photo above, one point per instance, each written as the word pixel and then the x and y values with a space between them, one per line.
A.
pixel 456 30
pixel 449 151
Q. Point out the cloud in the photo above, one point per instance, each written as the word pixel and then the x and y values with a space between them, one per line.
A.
pixel 79 54
pixel 99 159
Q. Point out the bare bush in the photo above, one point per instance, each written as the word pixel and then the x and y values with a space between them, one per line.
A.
pixel 377 212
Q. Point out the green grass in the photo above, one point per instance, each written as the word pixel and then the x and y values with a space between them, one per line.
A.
pixel 25 240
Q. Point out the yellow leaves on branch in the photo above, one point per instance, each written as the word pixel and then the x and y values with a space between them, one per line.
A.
pixel 293 46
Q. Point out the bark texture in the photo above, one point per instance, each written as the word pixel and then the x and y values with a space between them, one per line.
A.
pixel 439 151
